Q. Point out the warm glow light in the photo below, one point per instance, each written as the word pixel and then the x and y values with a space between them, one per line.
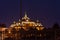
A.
pixel 18 27
pixel 24 28
pixel 13 25
pixel 35 25
pixel 25 24
pixel 17 24
pixel 3 29
pixel 39 28
pixel 42 28
pixel 9 31
pixel 27 20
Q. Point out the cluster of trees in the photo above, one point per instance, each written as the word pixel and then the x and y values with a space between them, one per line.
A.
pixel 2 25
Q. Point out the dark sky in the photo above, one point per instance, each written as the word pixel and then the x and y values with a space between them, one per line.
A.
pixel 46 11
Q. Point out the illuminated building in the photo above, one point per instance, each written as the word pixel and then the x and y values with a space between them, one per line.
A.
pixel 20 29
pixel 27 23
pixel 26 29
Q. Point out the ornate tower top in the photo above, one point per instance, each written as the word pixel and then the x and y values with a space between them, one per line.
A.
pixel 25 17
pixel 27 23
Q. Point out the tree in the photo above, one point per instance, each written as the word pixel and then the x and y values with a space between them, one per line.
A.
pixel 2 25
pixel 56 26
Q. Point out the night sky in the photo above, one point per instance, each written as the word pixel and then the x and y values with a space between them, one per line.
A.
pixel 46 11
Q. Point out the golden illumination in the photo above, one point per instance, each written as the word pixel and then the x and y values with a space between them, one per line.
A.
pixel 3 29
pixel 18 27
pixel 13 25
pixel 9 31
pixel 27 23
pixel 42 28
pixel 27 20
pixel 39 28
pixel 26 29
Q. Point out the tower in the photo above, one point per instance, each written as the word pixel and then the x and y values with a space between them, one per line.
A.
pixel 25 17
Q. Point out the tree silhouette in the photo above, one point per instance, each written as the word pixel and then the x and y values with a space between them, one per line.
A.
pixel 2 25
pixel 56 26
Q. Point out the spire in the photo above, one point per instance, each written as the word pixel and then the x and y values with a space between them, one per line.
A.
pixel 25 16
